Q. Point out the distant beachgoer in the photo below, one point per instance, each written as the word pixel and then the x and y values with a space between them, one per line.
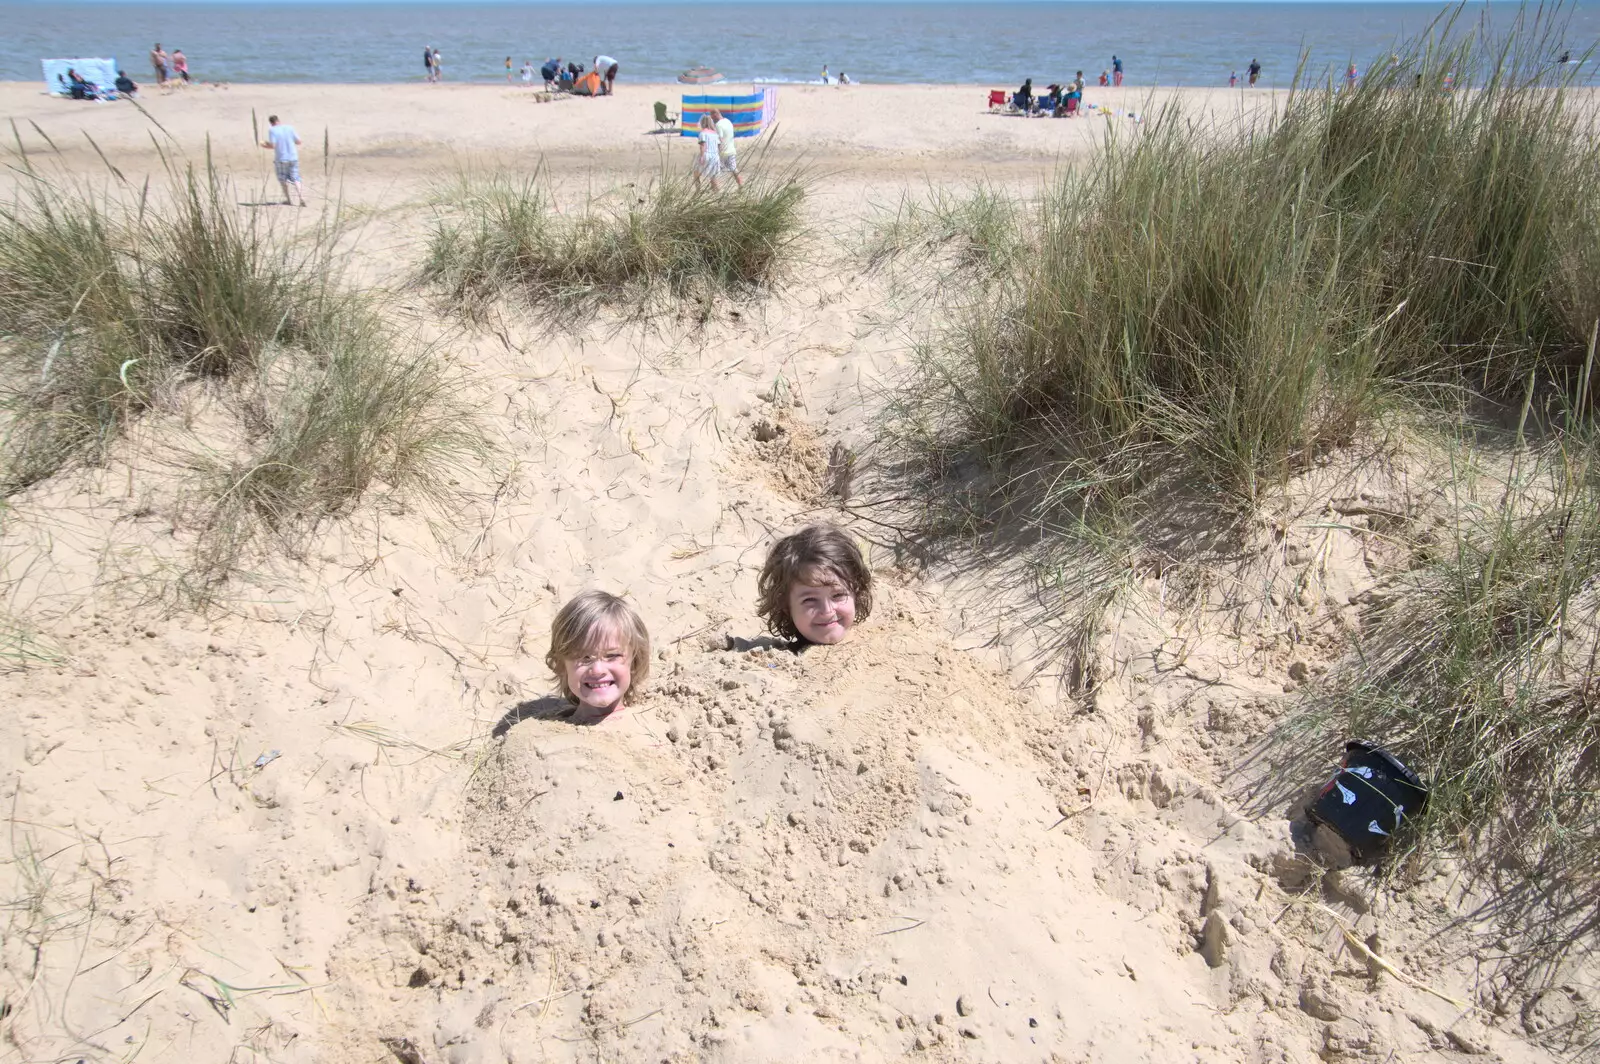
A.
pixel 814 586
pixel 1566 57
pixel 158 63
pixel 1116 71
pixel 527 72
pixel 508 70
pixel 606 67
pixel 1255 71
pixel 600 653
pixel 180 65
pixel 1075 95
pixel 1350 76
pixel 126 85
pixel 844 79
pixel 427 62
pixel 436 61
pixel 707 164
pixel 727 146
pixel 826 80
pixel 1105 78
pixel 1025 96
pixel 285 145
pixel 1233 79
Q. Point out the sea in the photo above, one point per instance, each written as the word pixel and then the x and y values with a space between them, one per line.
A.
pixel 1190 43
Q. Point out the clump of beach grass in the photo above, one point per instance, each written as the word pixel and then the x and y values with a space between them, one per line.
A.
pixel 111 308
pixel 500 237
pixel 979 228
pixel 106 307
pixel 371 407
pixel 1235 303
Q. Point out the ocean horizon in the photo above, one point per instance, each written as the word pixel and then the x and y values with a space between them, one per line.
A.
pixel 1161 42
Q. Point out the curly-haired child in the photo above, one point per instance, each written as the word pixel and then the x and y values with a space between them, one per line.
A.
pixel 815 586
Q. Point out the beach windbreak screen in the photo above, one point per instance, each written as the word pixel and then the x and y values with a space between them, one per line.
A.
pixel 1184 43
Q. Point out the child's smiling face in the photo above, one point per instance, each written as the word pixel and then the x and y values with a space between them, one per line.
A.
pixel 601 676
pixel 822 608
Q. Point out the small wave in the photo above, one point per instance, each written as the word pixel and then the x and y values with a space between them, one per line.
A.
pixel 794 81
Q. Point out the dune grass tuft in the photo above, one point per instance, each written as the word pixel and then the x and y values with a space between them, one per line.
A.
pixel 370 408
pixel 109 308
pixel 499 237
pixel 1238 302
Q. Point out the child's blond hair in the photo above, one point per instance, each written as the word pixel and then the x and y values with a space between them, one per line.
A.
pixel 581 625
pixel 817 554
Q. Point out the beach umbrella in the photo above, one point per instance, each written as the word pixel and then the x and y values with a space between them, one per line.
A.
pixel 699 76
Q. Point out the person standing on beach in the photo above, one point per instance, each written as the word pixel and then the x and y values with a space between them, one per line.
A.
pixel 285 147
pixel 158 63
pixel 180 66
pixel 1233 78
pixel 825 79
pixel 427 62
pixel 508 70
pixel 727 147
pixel 1255 71
pixel 1116 71
pixel 527 71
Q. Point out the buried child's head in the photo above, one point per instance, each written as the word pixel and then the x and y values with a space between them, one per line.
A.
pixel 815 586
pixel 599 650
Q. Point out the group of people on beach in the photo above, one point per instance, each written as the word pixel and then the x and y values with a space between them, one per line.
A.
pixel 556 73
pixel 1254 71
pixel 1059 100
pixel 813 589
pixel 170 70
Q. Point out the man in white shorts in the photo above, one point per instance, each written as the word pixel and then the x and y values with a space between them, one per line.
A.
pixel 285 147
pixel 727 147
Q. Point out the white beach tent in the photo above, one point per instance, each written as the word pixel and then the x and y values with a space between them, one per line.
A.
pixel 103 72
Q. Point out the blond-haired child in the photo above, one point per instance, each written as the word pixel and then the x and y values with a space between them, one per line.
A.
pixel 815 586
pixel 600 653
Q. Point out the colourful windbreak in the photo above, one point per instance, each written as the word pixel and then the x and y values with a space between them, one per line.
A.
pixel 750 114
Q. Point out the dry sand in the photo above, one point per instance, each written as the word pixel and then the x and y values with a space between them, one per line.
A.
pixel 911 846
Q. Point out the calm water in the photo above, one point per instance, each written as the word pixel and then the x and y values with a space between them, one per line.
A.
pixel 1191 43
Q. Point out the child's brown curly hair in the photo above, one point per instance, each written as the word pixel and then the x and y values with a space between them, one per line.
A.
pixel 817 554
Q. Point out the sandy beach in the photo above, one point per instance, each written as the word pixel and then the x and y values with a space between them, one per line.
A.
pixel 333 820
pixel 377 131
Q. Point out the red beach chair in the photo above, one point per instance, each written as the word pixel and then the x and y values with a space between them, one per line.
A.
pixel 997 98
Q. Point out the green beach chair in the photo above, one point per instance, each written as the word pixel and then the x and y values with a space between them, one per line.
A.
pixel 665 119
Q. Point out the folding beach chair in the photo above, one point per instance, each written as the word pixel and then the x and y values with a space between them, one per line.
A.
pixel 665 119
pixel 997 98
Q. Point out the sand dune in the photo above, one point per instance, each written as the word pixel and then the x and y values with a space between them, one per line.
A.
pixel 335 821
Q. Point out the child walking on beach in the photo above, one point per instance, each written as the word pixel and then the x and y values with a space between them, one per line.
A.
pixel 708 163
pixel 814 586
pixel 600 652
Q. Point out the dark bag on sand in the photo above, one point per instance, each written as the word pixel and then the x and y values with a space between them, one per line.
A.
pixel 1369 798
